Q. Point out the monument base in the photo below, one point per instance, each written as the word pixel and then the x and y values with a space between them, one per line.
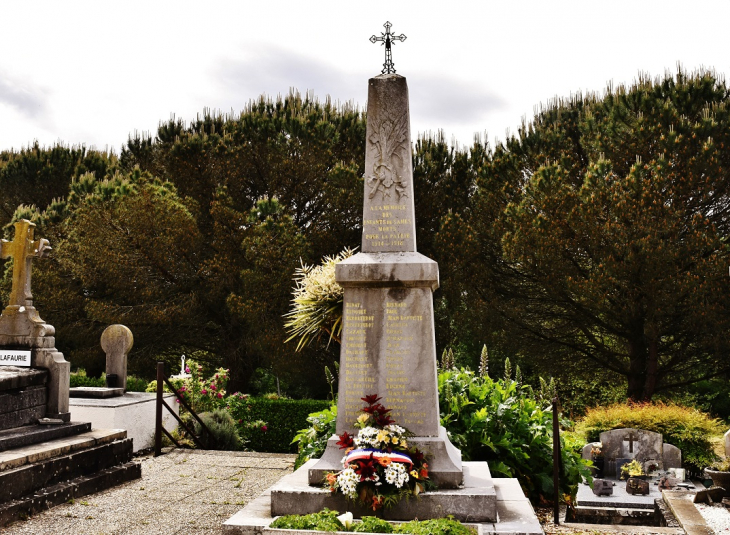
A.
pixel 134 411
pixel 498 507
pixel 475 501
pixel 444 460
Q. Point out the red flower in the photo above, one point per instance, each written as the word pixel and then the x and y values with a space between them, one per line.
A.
pixel 371 399
pixel 264 428
pixel 345 441
pixel 383 419
pixel 366 468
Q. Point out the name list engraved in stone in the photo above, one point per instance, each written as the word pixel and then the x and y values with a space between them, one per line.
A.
pixel 399 346
pixel 356 367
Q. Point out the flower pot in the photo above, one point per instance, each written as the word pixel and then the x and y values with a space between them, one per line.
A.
pixel 719 479
pixel 598 465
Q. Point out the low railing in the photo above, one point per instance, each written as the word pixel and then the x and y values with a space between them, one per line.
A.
pixel 204 441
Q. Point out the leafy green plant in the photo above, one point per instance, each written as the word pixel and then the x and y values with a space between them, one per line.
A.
pixel 312 441
pixel 437 526
pixel 327 520
pixel 222 428
pixel 502 422
pixel 721 466
pixel 372 524
pixel 79 378
pixel 136 384
pixel 687 428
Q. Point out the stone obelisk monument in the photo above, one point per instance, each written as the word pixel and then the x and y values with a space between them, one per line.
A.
pixel 388 344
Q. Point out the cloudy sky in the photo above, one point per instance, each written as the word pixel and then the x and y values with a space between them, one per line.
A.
pixel 93 72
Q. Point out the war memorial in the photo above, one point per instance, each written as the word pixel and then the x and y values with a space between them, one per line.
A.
pixel 388 349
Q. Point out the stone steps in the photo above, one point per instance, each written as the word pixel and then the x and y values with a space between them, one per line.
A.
pixel 28 435
pixel 39 476
pixel 48 497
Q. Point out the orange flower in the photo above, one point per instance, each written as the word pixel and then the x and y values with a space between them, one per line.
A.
pixel 331 479
pixel 384 461
pixel 424 473
pixel 377 502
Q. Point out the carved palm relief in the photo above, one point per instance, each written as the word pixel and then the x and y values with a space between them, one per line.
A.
pixel 391 141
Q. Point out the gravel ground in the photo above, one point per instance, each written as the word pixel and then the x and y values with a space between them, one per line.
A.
pixel 185 491
pixel 716 516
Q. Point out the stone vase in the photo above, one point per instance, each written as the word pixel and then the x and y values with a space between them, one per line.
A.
pixel 598 465
pixel 719 479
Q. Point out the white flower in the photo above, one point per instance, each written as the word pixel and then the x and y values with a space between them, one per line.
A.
pixel 346 519
pixel 347 481
pixel 396 474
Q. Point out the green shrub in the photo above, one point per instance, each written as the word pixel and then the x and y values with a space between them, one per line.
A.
pixel 136 384
pixel 372 524
pixel 327 520
pixel 437 526
pixel 503 423
pixel 79 378
pixel 312 440
pixel 323 521
pixel 283 419
pixel 223 428
pixel 687 428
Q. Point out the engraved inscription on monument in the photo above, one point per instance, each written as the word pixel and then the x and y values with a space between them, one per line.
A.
pixel 388 220
pixel 386 350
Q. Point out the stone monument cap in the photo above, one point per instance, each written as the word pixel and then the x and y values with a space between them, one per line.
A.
pixel 117 341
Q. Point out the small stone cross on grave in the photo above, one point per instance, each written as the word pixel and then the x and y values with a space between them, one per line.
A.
pixel 22 249
pixel 630 438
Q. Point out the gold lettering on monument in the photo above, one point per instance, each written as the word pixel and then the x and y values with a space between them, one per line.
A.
pixel 399 347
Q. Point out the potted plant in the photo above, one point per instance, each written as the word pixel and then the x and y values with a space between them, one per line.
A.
pixel 720 474
pixel 633 469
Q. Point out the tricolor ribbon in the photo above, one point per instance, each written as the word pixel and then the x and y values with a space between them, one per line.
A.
pixel 395 456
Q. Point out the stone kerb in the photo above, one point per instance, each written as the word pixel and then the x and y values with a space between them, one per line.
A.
pixel 117 342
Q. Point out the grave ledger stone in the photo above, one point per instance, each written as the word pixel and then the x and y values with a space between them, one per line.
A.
pixel 21 327
pixel 388 344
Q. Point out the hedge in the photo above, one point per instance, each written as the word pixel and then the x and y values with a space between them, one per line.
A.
pixel 283 417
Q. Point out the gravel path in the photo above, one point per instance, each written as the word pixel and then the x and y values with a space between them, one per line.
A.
pixel 716 516
pixel 185 491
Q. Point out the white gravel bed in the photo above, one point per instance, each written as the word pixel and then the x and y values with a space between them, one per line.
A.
pixel 716 516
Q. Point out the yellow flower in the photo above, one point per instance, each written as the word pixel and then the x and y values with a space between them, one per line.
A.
pixel 394 440
pixel 363 418
pixel 382 436
pixel 414 474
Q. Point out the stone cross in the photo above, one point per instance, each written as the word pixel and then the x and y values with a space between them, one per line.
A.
pixel 22 249
pixel 388 39
pixel 182 365
pixel 630 438
pixel 117 341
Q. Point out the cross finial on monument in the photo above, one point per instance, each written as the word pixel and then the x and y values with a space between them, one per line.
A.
pixel 21 250
pixel 388 39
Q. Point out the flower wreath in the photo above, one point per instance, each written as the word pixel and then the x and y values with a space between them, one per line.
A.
pixel 379 467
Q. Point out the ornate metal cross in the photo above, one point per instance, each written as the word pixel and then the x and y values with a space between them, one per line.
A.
pixel 21 250
pixel 388 39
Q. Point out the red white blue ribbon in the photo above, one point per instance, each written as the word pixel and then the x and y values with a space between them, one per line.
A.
pixel 395 456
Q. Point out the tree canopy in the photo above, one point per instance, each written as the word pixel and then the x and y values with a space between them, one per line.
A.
pixel 591 242
pixel 597 237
